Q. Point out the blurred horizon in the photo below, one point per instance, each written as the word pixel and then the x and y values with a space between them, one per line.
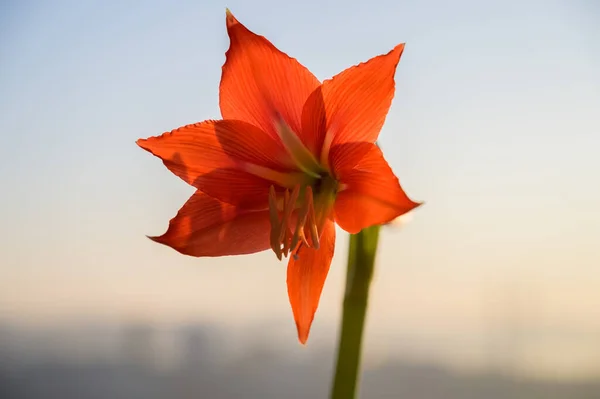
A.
pixel 144 360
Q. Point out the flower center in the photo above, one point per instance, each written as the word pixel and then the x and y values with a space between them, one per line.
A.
pixel 299 215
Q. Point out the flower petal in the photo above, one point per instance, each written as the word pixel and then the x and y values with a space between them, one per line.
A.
pixel 344 157
pixel 235 187
pixel 205 226
pixel 352 106
pixel 306 277
pixel 371 194
pixel 223 159
pixel 196 149
pixel 260 84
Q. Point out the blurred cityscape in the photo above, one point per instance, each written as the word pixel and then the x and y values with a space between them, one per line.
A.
pixel 148 361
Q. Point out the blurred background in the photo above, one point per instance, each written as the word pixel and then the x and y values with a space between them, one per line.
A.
pixel 491 290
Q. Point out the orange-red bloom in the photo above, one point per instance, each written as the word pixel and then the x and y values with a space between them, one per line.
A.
pixel 290 158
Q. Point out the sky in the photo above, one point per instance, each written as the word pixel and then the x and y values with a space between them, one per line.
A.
pixel 495 125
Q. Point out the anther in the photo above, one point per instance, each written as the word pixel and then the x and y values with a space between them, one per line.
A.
pixel 286 200
pixel 288 207
pixel 275 223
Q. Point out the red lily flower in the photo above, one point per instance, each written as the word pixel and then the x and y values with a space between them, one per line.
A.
pixel 290 158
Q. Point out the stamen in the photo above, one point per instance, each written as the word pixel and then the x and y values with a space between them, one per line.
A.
pixel 275 224
pixel 284 221
pixel 303 240
pixel 308 205
pixel 289 203
pixel 283 239
pixel 286 243
pixel 312 228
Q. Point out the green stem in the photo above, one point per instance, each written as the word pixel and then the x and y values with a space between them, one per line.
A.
pixel 361 261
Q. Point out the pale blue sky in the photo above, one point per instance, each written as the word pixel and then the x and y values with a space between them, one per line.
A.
pixel 495 124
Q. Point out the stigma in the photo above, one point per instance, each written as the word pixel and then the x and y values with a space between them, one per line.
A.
pixel 293 221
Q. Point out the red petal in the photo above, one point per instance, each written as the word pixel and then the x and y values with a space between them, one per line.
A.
pixel 344 157
pixel 212 156
pixel 306 277
pixel 235 187
pixel 205 226
pixel 352 106
pixel 371 194
pixel 259 82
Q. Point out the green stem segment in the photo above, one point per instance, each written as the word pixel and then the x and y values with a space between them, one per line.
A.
pixel 361 261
